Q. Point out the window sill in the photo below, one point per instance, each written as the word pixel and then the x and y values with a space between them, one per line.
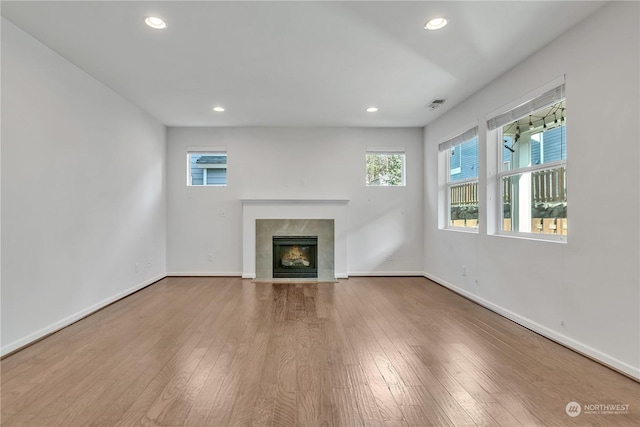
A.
pixel 548 238
pixel 468 230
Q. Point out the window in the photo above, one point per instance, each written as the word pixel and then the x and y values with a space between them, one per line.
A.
pixel 461 195
pixel 385 167
pixel 533 175
pixel 207 168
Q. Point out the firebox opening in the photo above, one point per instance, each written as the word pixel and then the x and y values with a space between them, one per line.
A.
pixel 295 256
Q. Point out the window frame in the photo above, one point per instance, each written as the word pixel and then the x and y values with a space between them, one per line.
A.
pixel 446 147
pixel 387 151
pixel 203 151
pixel 548 97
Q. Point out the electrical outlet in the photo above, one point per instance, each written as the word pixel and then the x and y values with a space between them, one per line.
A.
pixel 149 262
pixel 390 257
pixel 210 257
pixel 223 214
pixel 136 267
pixel 463 270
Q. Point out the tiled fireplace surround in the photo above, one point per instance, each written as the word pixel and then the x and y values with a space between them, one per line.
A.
pixel 267 228
pixel 265 218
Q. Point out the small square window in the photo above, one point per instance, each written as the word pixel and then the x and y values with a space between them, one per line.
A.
pixel 207 168
pixel 385 168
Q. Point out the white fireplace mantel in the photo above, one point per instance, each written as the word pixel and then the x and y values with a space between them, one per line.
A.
pixel 253 209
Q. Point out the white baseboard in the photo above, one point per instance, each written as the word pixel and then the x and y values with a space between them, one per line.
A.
pixel 206 274
pixel 605 359
pixel 54 327
pixel 387 273
pixel 341 275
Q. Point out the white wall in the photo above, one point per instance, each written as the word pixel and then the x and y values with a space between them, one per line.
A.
pixel 84 199
pixel 591 282
pixel 294 163
pixel 83 194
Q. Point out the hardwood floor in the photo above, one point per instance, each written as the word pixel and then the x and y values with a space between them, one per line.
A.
pixel 362 352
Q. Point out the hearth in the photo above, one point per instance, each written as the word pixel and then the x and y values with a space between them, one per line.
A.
pixel 295 256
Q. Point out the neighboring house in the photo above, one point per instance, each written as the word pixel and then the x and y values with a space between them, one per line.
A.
pixel 464 162
pixel 208 169
pixel 548 188
pixel 550 148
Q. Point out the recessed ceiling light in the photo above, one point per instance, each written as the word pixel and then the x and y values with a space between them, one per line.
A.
pixel 155 22
pixel 372 109
pixel 218 109
pixel 435 24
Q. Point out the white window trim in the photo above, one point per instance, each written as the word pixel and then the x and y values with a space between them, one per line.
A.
pixel 559 86
pixel 205 150
pixel 560 238
pixel 445 147
pixel 386 150
pixel 500 209
pixel 448 225
pixel 389 150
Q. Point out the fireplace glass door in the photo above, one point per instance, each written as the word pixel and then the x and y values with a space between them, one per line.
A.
pixel 295 256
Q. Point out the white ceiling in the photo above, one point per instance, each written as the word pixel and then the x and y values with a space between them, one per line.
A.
pixel 297 63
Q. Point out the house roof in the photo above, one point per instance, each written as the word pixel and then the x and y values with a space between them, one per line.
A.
pixel 212 160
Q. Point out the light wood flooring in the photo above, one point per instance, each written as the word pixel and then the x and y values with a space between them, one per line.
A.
pixel 362 352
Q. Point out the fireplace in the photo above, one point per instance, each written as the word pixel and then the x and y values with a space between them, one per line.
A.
pixel 295 256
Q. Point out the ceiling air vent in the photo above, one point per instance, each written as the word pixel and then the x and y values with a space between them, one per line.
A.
pixel 435 104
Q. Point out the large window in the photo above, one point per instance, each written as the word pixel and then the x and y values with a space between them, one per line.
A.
pixel 461 163
pixel 385 167
pixel 532 167
pixel 207 168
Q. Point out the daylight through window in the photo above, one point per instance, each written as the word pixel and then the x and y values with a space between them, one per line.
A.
pixel 461 155
pixel 533 174
pixel 385 167
pixel 207 168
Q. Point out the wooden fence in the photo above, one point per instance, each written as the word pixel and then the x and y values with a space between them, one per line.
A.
pixel 547 186
pixel 464 194
pixel 542 225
